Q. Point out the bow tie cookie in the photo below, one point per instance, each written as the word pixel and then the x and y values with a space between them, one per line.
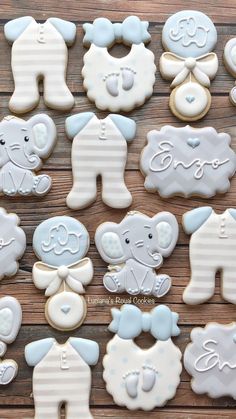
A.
pixel 142 378
pixel 62 375
pixel 230 63
pixel 118 84
pixel 135 248
pixel 187 162
pixel 39 52
pixel 23 145
pixel 189 37
pixel 61 243
pixel 212 249
pixel 10 322
pixel 210 358
pixel 99 148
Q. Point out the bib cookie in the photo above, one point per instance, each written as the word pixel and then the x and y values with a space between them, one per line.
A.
pixel 23 145
pixel 61 243
pixel 187 162
pixel 135 248
pixel 212 249
pixel 142 378
pixel 210 359
pixel 39 52
pixel 62 375
pixel 118 84
pixel 189 37
pixel 99 148
pixel 230 64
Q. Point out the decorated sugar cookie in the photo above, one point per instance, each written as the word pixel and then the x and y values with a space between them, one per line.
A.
pixel 210 358
pixel 99 148
pixel 187 161
pixel 142 378
pixel 23 145
pixel 10 322
pixel 135 248
pixel 118 84
pixel 62 375
pixel 39 52
pixel 189 37
pixel 61 243
pixel 230 63
pixel 212 249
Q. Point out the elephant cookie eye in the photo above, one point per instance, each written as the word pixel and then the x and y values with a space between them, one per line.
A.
pixel 150 236
pixel 26 138
pixel 2 142
pixel 127 241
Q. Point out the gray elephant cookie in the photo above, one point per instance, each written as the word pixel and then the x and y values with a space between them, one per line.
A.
pixel 23 145
pixel 210 359
pixel 187 161
pixel 135 248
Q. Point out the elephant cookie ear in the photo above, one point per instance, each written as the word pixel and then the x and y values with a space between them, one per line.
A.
pixel 108 243
pixel 10 319
pixel 167 231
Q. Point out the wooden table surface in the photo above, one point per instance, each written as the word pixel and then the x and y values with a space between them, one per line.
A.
pixel 15 399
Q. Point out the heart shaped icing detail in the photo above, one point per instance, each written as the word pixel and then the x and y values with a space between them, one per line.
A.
pixel 193 142
pixel 6 321
pixel 190 98
pixel 65 308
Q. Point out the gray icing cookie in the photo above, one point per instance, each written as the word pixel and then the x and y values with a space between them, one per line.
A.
pixel 187 161
pixel 210 359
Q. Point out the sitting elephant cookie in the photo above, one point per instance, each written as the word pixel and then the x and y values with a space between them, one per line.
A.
pixel 23 145
pixel 135 248
pixel 61 243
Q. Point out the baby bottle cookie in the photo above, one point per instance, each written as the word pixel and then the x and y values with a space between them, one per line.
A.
pixel 135 248
pixel 210 358
pixel 61 243
pixel 189 37
pixel 230 64
pixel 142 378
pixel 118 84
pixel 39 52
pixel 61 375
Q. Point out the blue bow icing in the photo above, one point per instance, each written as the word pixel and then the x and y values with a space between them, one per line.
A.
pixel 129 322
pixel 103 33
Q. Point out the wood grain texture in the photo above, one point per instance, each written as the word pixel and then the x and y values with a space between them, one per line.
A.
pixel 15 399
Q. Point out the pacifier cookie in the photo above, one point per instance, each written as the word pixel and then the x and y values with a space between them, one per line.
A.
pixel 39 52
pixel 142 378
pixel 189 37
pixel 187 162
pixel 62 375
pixel 230 64
pixel 61 243
pixel 135 248
pixel 99 148
pixel 118 84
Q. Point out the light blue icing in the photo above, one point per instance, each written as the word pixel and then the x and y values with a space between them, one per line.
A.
pixel 36 351
pixel 232 212
pixel 129 322
pixel 66 29
pixel 75 123
pixel 126 126
pixel 88 349
pixel 14 28
pixel 192 220
pixel 189 33
pixel 60 241
pixel 103 33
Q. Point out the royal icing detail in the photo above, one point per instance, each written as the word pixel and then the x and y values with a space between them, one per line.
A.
pixel 39 51
pixel 23 145
pixel 187 161
pixel 61 375
pixel 211 235
pixel 142 378
pixel 189 37
pixel 211 361
pixel 61 243
pixel 230 63
pixel 134 248
pixel 118 84
pixel 99 148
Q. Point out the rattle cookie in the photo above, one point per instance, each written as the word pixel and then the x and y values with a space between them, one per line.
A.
pixel 189 37
pixel 142 378
pixel 10 322
pixel 99 148
pixel 39 52
pixel 134 248
pixel 212 249
pixel 187 161
pixel 62 375
pixel 118 84
pixel 230 64
pixel 23 145
pixel 210 359
pixel 61 243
